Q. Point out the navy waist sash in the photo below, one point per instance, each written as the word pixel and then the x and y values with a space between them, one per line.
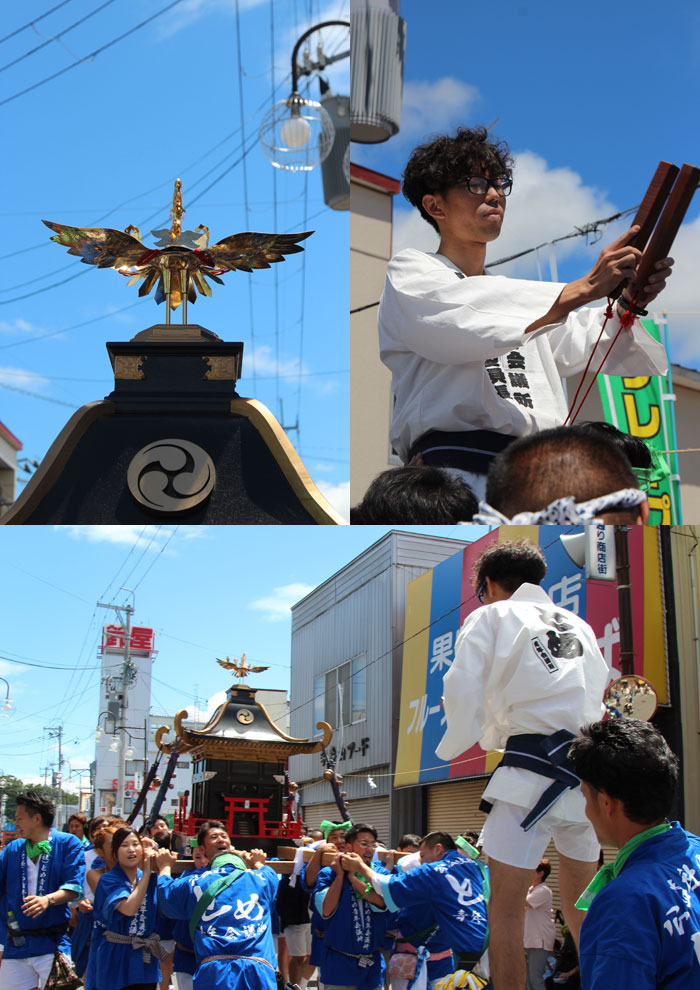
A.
pixel 547 756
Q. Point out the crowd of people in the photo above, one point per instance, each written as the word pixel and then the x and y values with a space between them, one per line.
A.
pixel 415 917
pixel 567 474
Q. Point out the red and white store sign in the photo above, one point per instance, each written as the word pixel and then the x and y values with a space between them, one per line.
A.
pixel 141 642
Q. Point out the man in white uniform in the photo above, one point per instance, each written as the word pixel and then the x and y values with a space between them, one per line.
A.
pixel 477 360
pixel 526 676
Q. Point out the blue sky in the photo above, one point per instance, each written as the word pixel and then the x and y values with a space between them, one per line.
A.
pixel 207 591
pixel 101 145
pixel 590 97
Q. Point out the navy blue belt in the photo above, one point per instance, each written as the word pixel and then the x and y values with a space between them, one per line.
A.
pixel 547 756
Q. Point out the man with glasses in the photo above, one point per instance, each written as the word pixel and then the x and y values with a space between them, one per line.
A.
pixel 477 361
pixel 354 924
pixel 527 674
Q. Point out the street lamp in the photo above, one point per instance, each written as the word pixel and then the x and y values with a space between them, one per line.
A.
pixel 98 730
pixel 7 706
pixel 297 133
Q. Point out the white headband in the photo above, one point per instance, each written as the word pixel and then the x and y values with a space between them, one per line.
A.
pixel 564 510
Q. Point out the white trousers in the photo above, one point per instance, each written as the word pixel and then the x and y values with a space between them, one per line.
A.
pixel 25 974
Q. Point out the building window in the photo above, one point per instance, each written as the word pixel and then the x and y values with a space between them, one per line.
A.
pixel 340 695
pixel 183 766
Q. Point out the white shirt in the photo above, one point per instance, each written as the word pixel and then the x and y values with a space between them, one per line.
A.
pixel 539 931
pixel 507 679
pixel 438 327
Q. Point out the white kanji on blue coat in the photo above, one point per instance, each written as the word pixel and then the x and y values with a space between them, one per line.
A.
pixel 244 909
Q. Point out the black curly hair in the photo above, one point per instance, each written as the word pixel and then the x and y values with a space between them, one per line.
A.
pixel 439 164
pixel 510 564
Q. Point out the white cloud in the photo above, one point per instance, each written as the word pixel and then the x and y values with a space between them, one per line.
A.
pixel 261 362
pixel 22 379
pixel 430 107
pixel 149 538
pixel 338 495
pixel 545 204
pixel 276 607
pixel 12 326
pixel 681 299
pixel 548 203
pixel 191 10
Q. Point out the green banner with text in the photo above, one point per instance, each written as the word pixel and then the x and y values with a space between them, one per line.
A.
pixel 643 407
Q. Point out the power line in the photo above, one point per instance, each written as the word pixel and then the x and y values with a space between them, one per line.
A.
pixel 37 395
pixel 589 228
pixel 156 558
pixel 36 292
pixel 74 326
pixel 45 666
pixel 34 21
pixel 92 55
pixel 55 37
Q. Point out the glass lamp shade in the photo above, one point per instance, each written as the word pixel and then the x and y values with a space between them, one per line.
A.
pixel 114 745
pixel 296 134
pixel 129 753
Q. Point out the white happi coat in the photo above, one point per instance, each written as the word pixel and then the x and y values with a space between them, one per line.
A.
pixel 516 670
pixel 460 359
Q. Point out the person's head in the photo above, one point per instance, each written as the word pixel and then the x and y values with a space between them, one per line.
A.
pixel 409 843
pixel 435 845
pixel 415 495
pixel 471 837
pixel 544 868
pixel 127 849
pixel 102 841
pixel 634 448
pixel 200 858
pixel 34 815
pixel 159 830
pixel 77 825
pixel 361 839
pixel 316 835
pixel 534 471
pixel 337 837
pixel 503 567
pixel 437 170
pixel 96 823
pixel 213 839
pixel 628 776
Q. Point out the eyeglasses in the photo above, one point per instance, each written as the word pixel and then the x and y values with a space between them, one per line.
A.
pixel 481 591
pixel 479 184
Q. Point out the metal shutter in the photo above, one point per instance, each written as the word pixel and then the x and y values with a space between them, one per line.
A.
pixel 370 811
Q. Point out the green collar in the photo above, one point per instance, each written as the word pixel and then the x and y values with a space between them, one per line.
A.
pixel 467 848
pixel 44 846
pixel 227 859
pixel 612 870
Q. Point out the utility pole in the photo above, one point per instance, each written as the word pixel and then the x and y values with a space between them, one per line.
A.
pixel 127 677
pixel 57 732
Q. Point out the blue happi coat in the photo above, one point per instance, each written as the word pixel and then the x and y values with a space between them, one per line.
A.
pixel 236 923
pixel 62 869
pixel 118 966
pixel 353 937
pixel 643 929
pixel 454 888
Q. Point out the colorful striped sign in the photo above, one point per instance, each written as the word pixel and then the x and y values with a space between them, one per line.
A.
pixel 438 601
